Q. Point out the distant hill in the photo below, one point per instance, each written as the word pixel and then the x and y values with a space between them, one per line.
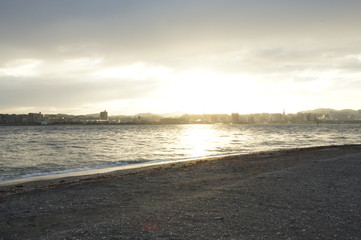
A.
pixel 329 110
pixel 319 110
pixel 147 115
pixel 93 115
pixel 162 115
pixel 173 114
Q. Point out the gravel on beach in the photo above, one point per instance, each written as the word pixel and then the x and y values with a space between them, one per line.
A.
pixel 311 193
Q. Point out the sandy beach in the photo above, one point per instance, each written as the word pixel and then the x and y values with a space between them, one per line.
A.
pixel 312 193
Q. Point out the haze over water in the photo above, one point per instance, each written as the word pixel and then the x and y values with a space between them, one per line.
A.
pixel 40 150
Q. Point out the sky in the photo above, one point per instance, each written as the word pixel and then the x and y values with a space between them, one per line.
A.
pixel 193 56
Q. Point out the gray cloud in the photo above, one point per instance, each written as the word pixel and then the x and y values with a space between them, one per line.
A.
pixel 141 27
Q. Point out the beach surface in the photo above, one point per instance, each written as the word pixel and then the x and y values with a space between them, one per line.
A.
pixel 312 193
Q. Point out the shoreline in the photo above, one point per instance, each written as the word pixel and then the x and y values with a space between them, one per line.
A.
pixel 306 193
pixel 128 169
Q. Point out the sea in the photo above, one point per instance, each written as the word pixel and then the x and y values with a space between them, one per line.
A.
pixel 28 151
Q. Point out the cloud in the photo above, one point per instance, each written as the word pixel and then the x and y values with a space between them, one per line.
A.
pixel 41 93
pixel 79 81
pixel 137 70
pixel 21 68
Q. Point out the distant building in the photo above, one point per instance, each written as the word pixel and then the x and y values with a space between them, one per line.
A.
pixel 244 118
pixel 104 115
pixel 34 117
pixel 276 117
pixel 173 121
pixel 259 118
pixel 7 118
pixel 234 118
pixel 21 119
pixel 306 117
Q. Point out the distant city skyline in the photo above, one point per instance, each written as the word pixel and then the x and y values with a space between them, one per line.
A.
pixel 203 56
pixel 317 116
pixel 105 114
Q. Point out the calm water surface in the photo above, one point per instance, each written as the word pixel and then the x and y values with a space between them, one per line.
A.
pixel 37 150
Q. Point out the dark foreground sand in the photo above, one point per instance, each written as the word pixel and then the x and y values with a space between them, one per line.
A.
pixel 297 194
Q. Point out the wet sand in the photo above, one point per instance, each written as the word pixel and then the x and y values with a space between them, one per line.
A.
pixel 312 193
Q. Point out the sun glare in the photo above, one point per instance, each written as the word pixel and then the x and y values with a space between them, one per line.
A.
pixel 197 93
pixel 207 92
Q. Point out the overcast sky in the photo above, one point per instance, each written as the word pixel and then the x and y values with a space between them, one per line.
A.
pixel 198 56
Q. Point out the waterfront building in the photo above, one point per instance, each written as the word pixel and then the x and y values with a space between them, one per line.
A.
pixel 34 117
pixel 104 115
pixel 234 118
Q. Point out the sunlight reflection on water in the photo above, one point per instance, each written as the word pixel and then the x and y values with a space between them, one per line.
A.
pixel 198 140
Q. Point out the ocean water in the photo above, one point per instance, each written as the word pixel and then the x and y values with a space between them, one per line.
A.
pixel 40 150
